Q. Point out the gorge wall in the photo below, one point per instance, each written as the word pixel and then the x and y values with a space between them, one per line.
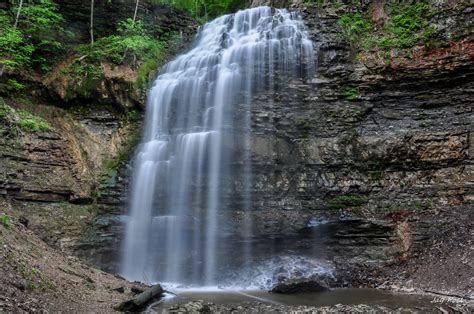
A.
pixel 384 151
pixel 59 179
pixel 398 149
pixel 404 137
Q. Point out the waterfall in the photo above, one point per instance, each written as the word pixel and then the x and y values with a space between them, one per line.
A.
pixel 194 160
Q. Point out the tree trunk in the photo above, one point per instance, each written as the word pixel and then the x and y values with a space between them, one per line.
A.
pixel 92 22
pixel 18 14
pixel 135 13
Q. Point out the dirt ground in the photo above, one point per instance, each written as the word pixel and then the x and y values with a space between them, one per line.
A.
pixel 444 265
pixel 34 277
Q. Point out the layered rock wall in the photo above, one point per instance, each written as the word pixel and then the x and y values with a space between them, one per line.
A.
pixel 377 148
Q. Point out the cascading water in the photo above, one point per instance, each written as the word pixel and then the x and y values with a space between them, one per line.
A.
pixel 197 137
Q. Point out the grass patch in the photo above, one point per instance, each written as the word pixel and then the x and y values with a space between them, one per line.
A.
pixel 31 123
pixel 22 119
pixel 35 279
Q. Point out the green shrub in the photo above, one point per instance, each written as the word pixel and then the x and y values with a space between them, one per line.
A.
pixel 37 39
pixel 82 77
pixel 350 93
pixel 131 42
pixel 346 201
pixel 130 46
pixel 31 123
pixel 14 84
pixel 22 119
pixel 5 220
pixel 355 25
pixel 15 51
pixel 409 23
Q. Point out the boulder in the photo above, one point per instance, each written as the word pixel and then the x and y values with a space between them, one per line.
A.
pixel 192 307
pixel 299 285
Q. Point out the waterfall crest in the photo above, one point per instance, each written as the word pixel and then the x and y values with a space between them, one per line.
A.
pixel 197 130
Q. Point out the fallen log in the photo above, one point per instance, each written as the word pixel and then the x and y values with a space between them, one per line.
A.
pixel 140 301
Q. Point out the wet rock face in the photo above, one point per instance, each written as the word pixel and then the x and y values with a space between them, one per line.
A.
pixel 68 164
pixel 397 135
pixel 51 178
pixel 356 135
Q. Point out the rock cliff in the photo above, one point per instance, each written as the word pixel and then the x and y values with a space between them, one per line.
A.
pixel 382 150
pixel 389 141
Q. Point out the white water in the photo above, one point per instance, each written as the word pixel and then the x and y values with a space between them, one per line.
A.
pixel 198 123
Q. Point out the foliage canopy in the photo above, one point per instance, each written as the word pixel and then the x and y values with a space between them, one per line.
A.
pixel 36 42
pixel 203 9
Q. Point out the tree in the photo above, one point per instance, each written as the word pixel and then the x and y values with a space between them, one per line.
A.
pixel 18 14
pixel 92 22
pixel 135 13
pixel 2 67
pixel 31 35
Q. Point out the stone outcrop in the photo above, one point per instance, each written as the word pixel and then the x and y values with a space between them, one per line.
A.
pixel 397 135
pixel 64 164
